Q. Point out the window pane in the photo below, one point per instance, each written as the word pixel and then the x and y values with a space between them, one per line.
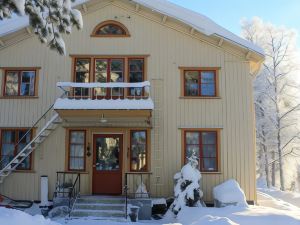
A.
pixel 111 29
pixel 8 136
pixel 138 150
pixel 25 139
pixel 77 150
pixel 116 65
pixel 136 65
pixel 107 153
pixel 12 83
pixel 77 137
pixel 76 163
pixel 209 164
pixel 209 151
pixel 8 149
pixel 27 83
pixel 82 73
pixel 209 137
pixel 190 149
pixel 192 138
pixel 208 77
pixel 208 90
pixel 191 83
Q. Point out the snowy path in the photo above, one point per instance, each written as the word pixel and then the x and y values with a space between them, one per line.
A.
pixel 277 199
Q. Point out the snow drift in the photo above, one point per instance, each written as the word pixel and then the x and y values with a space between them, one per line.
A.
pixel 16 217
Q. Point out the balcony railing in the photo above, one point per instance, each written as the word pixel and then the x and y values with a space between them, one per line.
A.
pixel 113 90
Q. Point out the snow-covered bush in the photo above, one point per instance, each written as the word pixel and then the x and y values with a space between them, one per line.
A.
pixel 229 193
pixel 187 188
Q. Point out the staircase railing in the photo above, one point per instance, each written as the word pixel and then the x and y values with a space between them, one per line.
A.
pixel 11 162
pixel 68 186
pixel 132 181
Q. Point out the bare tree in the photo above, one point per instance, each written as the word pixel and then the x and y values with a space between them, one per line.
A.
pixel 276 95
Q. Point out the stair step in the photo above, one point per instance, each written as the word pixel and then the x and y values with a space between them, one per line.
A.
pixel 98 213
pixel 101 200
pixel 108 207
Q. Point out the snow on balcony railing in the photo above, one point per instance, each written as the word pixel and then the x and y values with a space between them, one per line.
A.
pixel 113 90
pixel 105 96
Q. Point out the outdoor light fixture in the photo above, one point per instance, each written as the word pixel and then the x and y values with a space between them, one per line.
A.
pixel 103 120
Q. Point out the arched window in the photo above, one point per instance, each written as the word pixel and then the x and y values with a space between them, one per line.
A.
pixel 110 28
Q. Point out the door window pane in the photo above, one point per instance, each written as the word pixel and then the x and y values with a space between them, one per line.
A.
pixel 116 75
pixel 101 72
pixel 191 83
pixel 77 150
pixel 136 74
pixel 12 84
pixel 27 83
pixel 107 153
pixel 82 75
pixel 138 152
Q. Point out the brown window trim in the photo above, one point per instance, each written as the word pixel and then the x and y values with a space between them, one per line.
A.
pixel 218 136
pixel 108 22
pixel 216 71
pixel 108 71
pixel 30 169
pixel 92 59
pixel 147 151
pixel 5 70
pixel 69 147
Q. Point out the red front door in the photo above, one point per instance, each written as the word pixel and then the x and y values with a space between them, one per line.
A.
pixel 107 164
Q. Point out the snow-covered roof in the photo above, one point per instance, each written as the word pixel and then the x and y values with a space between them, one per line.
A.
pixel 104 104
pixel 194 19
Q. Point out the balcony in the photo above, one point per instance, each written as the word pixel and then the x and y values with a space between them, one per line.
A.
pixel 105 100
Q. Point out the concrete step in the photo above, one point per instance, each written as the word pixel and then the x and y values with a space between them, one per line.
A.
pixel 99 200
pixel 119 207
pixel 98 213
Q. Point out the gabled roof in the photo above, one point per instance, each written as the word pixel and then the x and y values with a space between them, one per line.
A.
pixel 196 20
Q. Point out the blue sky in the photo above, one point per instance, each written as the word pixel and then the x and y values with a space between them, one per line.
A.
pixel 228 13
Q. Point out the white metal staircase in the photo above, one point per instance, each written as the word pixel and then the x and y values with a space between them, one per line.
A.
pixel 8 166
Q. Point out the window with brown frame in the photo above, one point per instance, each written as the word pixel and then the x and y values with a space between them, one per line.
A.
pixel 205 146
pixel 20 83
pixel 138 150
pixel 110 28
pixel 77 143
pixel 9 148
pixel 200 83
pixel 106 70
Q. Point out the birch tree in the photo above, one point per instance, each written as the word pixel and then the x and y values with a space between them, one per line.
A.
pixel 277 101
pixel 50 19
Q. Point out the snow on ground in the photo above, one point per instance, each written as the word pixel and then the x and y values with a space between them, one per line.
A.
pixel 16 217
pixel 231 215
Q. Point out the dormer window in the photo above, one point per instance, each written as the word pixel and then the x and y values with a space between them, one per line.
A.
pixel 110 28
